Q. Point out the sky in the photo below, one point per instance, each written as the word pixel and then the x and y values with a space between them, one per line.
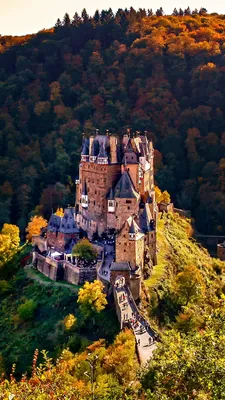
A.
pixel 20 17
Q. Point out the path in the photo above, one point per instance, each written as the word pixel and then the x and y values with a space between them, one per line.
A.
pixel 145 336
pixel 31 273
pixel 104 271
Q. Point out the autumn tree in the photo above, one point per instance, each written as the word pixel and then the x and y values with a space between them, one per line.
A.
pixel 161 197
pixel 59 212
pixel 189 285
pixel 85 250
pixel 91 298
pixel 35 225
pixel 69 321
pixel 14 234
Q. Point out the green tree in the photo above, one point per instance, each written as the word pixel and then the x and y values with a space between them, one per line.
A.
pixel 26 311
pixel 84 249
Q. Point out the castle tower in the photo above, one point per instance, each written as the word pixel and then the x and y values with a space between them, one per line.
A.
pixel 130 244
pixel 127 199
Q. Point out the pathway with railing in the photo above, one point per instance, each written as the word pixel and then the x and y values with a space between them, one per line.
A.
pixel 129 315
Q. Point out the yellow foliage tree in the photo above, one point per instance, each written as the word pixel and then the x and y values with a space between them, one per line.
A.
pixel 59 212
pixel 5 252
pixel 91 298
pixel 69 321
pixel 189 284
pixel 162 197
pixel 34 226
pixel 9 242
pixel 14 234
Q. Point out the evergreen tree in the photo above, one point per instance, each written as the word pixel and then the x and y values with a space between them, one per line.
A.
pixel 58 25
pixel 76 19
pixel 66 20
pixel 84 16
pixel 187 11
pixel 159 12
pixel 96 17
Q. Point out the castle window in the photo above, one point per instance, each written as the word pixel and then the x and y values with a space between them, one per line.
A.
pixel 94 202
pixel 124 250
pixel 128 207
pixel 128 201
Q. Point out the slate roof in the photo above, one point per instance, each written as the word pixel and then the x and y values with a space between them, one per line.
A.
pixel 124 188
pixel 94 148
pixel 85 148
pixel 145 220
pixel 68 224
pixel 110 195
pixel 54 223
pixel 133 226
pixel 120 266
pixel 102 151
pixel 65 224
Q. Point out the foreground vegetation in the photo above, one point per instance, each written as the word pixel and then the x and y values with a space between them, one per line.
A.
pixel 187 305
pixel 32 317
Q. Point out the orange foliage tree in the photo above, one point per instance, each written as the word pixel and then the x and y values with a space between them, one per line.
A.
pixel 34 226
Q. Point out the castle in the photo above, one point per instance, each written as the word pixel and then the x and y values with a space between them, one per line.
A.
pixel 115 197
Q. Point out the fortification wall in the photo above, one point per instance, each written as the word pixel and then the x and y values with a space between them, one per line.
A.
pixel 135 286
pixel 47 266
pixel 77 276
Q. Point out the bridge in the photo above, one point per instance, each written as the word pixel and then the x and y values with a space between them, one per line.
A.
pixel 127 311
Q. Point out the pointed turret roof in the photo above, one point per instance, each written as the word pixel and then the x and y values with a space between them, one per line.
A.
pixel 85 148
pixel 95 148
pixel 133 226
pixel 110 195
pixel 145 219
pixel 102 151
pixel 125 188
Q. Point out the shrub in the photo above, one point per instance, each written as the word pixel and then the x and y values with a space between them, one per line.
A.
pixel 26 310
pixel 5 287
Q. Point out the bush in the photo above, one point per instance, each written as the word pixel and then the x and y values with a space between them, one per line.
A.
pixel 5 287
pixel 26 310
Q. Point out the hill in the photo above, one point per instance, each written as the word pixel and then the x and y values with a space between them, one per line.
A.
pixel 162 74
pixel 186 304
pixel 42 326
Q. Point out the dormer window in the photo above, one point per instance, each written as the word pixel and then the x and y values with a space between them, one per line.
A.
pixel 92 159
pixel 111 206
pixel 132 236
pixel 84 158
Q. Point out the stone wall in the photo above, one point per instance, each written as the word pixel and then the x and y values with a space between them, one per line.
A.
pixel 58 239
pixel 124 209
pixel 99 180
pixel 47 266
pixel 135 285
pixel 129 250
pixel 115 274
pixel 40 242
pixel 78 276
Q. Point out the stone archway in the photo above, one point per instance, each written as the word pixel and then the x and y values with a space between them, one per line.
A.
pixel 119 281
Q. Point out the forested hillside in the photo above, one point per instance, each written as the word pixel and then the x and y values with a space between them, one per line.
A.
pixel 160 74
pixel 186 305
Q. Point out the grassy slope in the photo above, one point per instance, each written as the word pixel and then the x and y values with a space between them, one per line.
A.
pixel 176 248
pixel 18 339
